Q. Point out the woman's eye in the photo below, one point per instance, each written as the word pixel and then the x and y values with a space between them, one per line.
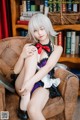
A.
pixel 35 30
pixel 42 28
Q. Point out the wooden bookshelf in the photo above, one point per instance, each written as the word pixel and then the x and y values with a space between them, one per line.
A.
pixel 72 60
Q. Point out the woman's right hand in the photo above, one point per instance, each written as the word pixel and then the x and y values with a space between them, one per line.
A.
pixel 28 50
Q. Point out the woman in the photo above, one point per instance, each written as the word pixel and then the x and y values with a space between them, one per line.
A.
pixel 35 67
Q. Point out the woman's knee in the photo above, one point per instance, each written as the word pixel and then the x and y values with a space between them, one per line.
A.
pixel 34 56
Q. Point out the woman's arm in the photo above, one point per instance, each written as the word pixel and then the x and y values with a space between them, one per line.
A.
pixel 27 51
pixel 53 59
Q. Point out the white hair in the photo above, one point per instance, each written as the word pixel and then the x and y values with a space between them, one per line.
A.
pixel 40 20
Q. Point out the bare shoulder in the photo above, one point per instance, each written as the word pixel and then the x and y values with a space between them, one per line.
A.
pixel 58 47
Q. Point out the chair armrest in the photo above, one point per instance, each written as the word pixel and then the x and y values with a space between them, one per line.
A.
pixel 2 96
pixel 69 89
pixel 7 84
pixel 65 77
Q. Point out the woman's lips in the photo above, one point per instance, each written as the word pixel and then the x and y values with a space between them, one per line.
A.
pixel 41 36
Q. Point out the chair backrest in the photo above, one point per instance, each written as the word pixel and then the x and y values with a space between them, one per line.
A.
pixel 10 49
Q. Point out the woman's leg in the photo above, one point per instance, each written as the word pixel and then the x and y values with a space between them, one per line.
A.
pixel 38 100
pixel 27 72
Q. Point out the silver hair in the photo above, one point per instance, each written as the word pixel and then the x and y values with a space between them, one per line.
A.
pixel 40 20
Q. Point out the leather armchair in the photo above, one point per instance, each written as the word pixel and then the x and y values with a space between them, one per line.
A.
pixel 59 108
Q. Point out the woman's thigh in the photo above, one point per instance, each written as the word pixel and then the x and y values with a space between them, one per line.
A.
pixel 19 80
pixel 39 98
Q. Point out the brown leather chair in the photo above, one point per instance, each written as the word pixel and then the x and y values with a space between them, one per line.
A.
pixel 59 108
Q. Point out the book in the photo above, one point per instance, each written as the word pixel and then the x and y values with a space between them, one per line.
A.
pixel 76 45
pixel 79 46
pixel 75 7
pixel 20 7
pixel 60 42
pixel 41 8
pixel 46 8
pixel 68 42
pixel 58 6
pixel 56 40
pixel 25 18
pixel 28 5
pixel 22 22
pixel 50 5
pixel 63 7
pixel 23 32
pixel 73 42
pixel 54 6
pixel 69 5
pixel 24 9
pixel 29 13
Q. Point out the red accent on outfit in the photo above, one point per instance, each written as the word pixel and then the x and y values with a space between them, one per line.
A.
pixel 40 47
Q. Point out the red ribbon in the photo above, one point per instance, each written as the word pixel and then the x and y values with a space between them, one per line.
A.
pixel 40 47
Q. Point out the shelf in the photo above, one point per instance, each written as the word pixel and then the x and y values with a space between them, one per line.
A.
pixel 21 26
pixel 15 12
pixel 65 27
pixel 56 27
pixel 70 58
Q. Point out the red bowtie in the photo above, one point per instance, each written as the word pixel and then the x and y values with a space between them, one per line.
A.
pixel 40 47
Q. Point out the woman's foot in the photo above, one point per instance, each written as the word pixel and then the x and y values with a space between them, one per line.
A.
pixel 22 114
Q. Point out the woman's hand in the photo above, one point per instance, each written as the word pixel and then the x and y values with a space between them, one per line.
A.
pixel 27 86
pixel 28 50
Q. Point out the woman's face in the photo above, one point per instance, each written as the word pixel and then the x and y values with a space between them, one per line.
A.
pixel 41 35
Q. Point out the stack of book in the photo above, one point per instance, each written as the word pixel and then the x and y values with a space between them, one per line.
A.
pixel 69 40
pixel 27 9
pixel 23 32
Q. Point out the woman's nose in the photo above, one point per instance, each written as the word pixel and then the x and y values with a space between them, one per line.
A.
pixel 39 32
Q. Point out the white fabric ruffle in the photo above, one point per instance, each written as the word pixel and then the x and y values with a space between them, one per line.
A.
pixel 48 82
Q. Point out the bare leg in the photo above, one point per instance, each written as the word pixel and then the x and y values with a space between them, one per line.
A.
pixel 27 72
pixel 37 103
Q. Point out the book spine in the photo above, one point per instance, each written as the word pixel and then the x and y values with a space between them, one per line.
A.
pixel 68 43
pixel 58 6
pixel 64 44
pixel 54 6
pixel 33 7
pixel 42 8
pixel 75 8
pixel 22 22
pixel 60 39
pixel 50 5
pixel 69 5
pixel 24 5
pixel 76 45
pixel 46 8
pixel 73 42
pixel 56 40
pixel 23 32
pixel 28 5
pixel 20 7
pixel 79 46
pixel 63 7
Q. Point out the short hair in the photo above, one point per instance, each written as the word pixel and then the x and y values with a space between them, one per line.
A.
pixel 40 20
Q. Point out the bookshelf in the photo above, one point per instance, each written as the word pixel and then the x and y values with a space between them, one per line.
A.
pixel 15 12
pixel 15 4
